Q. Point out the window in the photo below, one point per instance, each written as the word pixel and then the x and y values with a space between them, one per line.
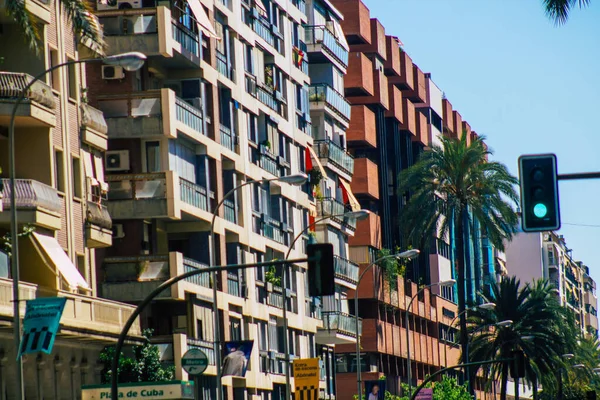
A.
pixel 249 58
pixel 54 76
pixel 72 71
pixel 235 329
pixel 152 156
pixel 59 171
pixel 76 169
pixel 252 128
pixel 262 335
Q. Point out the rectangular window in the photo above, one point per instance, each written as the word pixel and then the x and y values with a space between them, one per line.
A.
pixel 235 329
pixel 54 76
pixel 59 171
pixel 252 128
pixel 249 58
pixel 262 335
pixel 76 169
pixel 73 87
pixel 152 156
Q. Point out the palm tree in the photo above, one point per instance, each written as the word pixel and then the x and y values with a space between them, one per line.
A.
pixel 540 329
pixel 79 13
pixel 458 179
pixel 558 10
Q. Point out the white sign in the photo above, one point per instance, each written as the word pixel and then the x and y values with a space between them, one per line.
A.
pixel 425 394
pixel 173 390
pixel 194 361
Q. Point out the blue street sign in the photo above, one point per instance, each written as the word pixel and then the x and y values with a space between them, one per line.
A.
pixel 42 319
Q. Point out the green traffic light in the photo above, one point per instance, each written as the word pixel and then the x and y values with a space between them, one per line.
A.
pixel 540 210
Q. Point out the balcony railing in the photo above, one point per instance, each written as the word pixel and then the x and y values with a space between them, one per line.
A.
pixel 223 68
pixel 193 194
pixel 206 347
pixel 93 118
pixel 300 64
pixel 321 35
pixel 331 207
pixel 263 28
pixel 230 210
pixel 200 279
pixel 322 92
pixel 187 39
pixel 300 5
pixel 30 195
pixel 97 214
pixel 335 154
pixel 269 98
pixel 345 270
pixel 268 161
pixel 341 322
pixel 275 299
pixel 227 139
pixel 271 230
pixel 13 83
pixel 189 115
pixel 137 186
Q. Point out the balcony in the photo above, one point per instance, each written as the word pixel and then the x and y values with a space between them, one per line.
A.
pixel 338 328
pixel 346 272
pixel 224 68
pixel 194 195
pixel 266 160
pixel 98 227
pixel 151 113
pixel 136 196
pixel 332 154
pixel 368 232
pixel 82 314
pixel 38 108
pixel 323 46
pixel 93 127
pixel 227 139
pixel 362 129
pixel 331 207
pixel 365 181
pixel 269 97
pixel 300 5
pixel 274 230
pixel 358 80
pixel 323 96
pixel 153 32
pixel 131 279
pixel 37 204
pixel 231 211
pixel 206 347
pixel 302 65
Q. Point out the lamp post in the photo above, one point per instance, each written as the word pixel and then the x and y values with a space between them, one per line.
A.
pixel 129 61
pixel 449 282
pixel 358 215
pixel 567 356
pixel 296 180
pixel 409 254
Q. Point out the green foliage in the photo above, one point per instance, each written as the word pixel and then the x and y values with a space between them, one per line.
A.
pixel 446 389
pixel 391 266
pixel 271 275
pixel 558 10
pixel 144 366
pixel 6 242
pixel 315 176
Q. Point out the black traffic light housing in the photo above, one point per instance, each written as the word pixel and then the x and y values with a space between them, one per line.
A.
pixel 539 193
pixel 321 279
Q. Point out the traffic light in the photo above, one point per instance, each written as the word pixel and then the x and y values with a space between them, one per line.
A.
pixel 539 193
pixel 517 369
pixel 321 279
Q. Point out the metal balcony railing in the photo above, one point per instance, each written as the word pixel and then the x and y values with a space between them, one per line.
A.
pixel 13 83
pixel 275 299
pixel 319 34
pixel 230 210
pixel 97 214
pixel 227 139
pixel 300 5
pixel 193 194
pixel 93 118
pixel 345 270
pixel 322 92
pixel 334 153
pixel 30 195
pixel 341 322
pixel 206 346
pixel 272 230
pixel 187 39
pixel 189 115
pixel 331 207
pixel 201 279
pixel 268 161
pixel 223 68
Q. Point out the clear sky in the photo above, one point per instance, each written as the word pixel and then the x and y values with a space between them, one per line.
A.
pixel 526 84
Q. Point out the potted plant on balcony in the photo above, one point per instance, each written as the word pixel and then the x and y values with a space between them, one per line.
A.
pixel 392 267
pixel 271 277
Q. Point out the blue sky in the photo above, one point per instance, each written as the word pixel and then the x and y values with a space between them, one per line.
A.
pixel 526 84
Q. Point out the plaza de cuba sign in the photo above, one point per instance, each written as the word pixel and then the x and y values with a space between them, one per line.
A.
pixel 171 390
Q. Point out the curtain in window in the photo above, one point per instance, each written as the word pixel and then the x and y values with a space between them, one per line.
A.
pixel 182 159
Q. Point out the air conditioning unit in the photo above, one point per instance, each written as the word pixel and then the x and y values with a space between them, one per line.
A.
pixel 117 160
pixel 118 4
pixel 110 72
pixel 118 231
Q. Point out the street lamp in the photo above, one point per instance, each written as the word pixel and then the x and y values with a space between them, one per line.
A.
pixel 358 215
pixel 130 61
pixel 407 255
pixel 296 180
pixel 447 283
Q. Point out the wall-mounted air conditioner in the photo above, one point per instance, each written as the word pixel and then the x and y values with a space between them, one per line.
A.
pixel 110 72
pixel 118 4
pixel 117 160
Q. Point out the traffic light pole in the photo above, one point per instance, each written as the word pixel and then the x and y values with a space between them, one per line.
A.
pixel 578 175
pixel 165 285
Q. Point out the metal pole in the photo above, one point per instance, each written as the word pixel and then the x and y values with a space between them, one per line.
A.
pixel 578 175
pixel 114 389
pixel 14 234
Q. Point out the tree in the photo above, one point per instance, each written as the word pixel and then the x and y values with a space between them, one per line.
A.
pixel 144 366
pixel 78 12
pixel 559 10
pixel 458 179
pixel 446 389
pixel 541 328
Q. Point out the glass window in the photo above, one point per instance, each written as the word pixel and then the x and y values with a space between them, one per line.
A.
pixel 152 156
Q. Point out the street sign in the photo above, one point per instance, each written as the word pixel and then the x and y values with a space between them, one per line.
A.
pixel 306 378
pixel 425 394
pixel 40 325
pixel 194 362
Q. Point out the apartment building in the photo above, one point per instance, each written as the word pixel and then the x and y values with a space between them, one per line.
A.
pixel 545 255
pixel 60 191
pixel 224 99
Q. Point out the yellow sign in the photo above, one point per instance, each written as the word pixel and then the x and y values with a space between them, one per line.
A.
pixel 306 378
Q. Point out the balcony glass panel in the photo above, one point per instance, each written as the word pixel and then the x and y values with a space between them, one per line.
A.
pixel 205 346
pixel 222 67
pixel 187 39
pixel 189 115
pixel 272 230
pixel 322 92
pixel 335 154
pixel 200 279
pixel 268 161
pixel 345 269
pixel 263 29
pixel 333 208
pixel 193 194
pixel 226 138
pixel 230 211
pixel 321 35
pixel 342 322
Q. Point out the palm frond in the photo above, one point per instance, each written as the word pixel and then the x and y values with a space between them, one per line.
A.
pixel 26 21
pixel 559 10
pixel 84 21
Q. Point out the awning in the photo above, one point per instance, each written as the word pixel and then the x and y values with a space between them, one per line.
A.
pixel 57 258
pixel 204 23
pixel 317 161
pixel 100 173
pixel 88 166
pixel 261 8
pixel 340 35
pixel 354 204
